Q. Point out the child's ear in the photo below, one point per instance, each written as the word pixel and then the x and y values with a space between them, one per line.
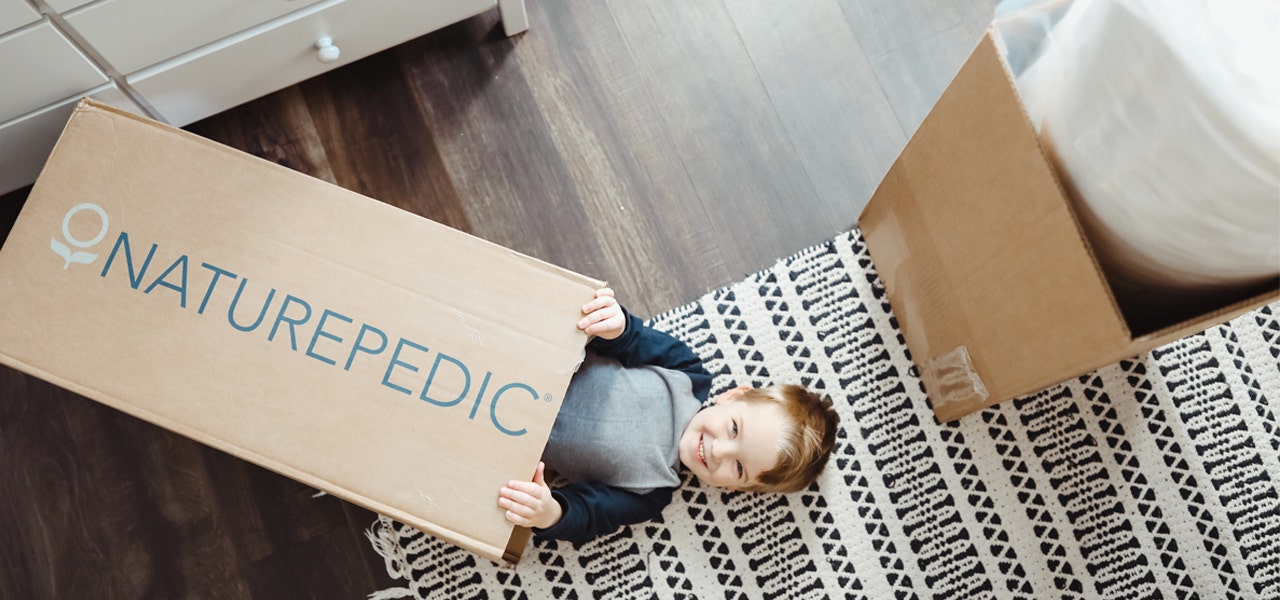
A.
pixel 731 395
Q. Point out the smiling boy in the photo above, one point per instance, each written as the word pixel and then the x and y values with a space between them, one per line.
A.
pixel 633 416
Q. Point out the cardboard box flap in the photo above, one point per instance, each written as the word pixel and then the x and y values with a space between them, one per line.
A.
pixel 970 206
pixel 368 352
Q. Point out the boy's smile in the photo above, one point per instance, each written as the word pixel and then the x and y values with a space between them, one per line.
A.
pixel 730 443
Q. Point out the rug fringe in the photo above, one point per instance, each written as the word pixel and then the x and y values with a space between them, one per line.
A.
pixel 385 540
pixel 391 594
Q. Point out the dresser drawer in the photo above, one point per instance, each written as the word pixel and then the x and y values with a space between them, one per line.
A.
pixel 25 142
pixel 39 67
pixel 284 52
pixel 133 34
pixel 62 6
pixel 15 14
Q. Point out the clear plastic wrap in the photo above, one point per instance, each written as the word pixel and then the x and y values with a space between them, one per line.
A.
pixel 1163 121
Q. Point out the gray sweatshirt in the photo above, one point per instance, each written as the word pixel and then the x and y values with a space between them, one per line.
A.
pixel 621 426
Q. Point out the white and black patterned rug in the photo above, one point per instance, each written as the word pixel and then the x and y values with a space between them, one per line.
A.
pixel 1155 477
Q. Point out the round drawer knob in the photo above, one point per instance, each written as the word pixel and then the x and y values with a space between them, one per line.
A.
pixel 326 52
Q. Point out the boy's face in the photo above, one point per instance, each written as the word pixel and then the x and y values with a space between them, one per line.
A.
pixel 730 443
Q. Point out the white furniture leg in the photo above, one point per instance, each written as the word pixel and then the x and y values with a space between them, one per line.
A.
pixel 515 19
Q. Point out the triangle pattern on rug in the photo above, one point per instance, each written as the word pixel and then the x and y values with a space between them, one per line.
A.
pixel 1156 476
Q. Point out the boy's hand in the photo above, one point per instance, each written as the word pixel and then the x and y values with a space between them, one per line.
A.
pixel 605 317
pixel 529 504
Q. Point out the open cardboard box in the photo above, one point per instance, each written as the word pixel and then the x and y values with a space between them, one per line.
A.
pixel 360 349
pixel 994 286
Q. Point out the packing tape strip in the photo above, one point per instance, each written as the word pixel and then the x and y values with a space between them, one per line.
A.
pixel 952 379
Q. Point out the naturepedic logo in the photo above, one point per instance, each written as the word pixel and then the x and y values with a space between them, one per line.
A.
pixel 328 341
pixel 69 255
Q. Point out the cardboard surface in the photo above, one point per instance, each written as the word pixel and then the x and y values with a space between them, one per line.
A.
pixel 360 349
pixel 995 288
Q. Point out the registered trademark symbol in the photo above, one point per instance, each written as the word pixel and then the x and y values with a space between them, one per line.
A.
pixel 546 397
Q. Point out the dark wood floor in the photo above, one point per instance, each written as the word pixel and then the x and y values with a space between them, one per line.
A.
pixel 667 147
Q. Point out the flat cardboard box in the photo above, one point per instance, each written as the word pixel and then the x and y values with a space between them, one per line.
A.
pixel 995 288
pixel 365 351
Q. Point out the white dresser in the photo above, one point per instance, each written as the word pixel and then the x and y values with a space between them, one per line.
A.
pixel 179 61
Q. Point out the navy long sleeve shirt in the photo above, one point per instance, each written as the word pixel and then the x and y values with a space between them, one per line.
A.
pixel 592 508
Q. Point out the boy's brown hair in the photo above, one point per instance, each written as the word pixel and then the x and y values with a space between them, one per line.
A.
pixel 805 440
